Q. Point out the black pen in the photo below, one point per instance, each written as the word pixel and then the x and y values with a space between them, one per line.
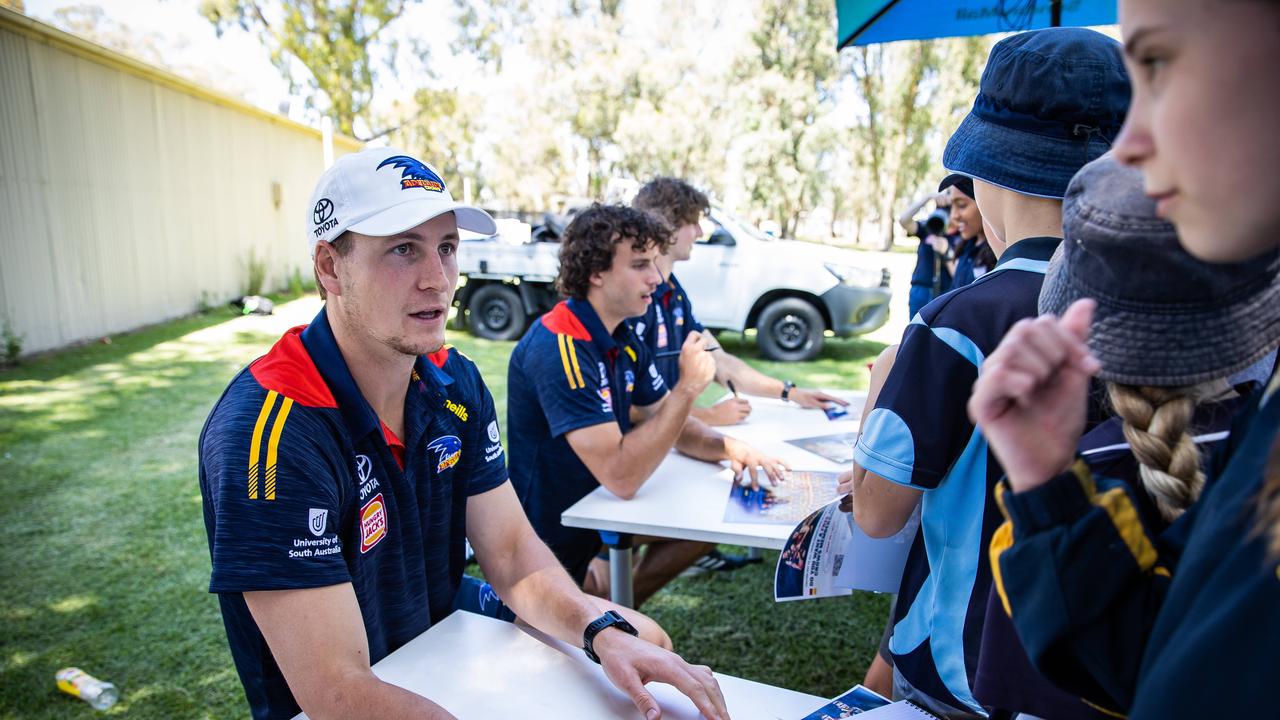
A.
pixel 673 353
pixel 732 389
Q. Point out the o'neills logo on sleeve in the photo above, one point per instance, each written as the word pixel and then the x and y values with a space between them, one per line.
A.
pixel 373 523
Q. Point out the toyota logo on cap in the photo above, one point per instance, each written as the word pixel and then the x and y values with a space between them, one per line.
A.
pixel 323 211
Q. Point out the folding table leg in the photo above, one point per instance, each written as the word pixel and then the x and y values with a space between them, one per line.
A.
pixel 620 589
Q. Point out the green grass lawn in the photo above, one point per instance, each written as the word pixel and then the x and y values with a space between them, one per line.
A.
pixel 104 561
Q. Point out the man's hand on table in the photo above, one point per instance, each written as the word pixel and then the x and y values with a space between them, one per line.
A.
pixel 747 462
pixel 630 663
pixel 814 398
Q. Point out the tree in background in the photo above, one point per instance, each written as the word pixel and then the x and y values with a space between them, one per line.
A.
pixel 785 85
pixel 332 40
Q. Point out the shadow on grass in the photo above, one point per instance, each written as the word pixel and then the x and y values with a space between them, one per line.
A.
pixel 55 364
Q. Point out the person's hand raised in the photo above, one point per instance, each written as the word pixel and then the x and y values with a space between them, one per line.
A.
pixel 1030 398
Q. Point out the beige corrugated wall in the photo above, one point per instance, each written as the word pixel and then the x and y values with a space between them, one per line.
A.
pixel 128 196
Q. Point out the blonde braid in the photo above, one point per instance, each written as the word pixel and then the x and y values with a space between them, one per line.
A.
pixel 1156 421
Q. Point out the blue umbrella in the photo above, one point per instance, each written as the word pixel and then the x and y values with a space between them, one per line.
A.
pixel 865 22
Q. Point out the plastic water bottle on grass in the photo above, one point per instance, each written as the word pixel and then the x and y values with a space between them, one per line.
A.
pixel 78 683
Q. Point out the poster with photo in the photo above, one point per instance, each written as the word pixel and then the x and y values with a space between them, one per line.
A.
pixel 837 448
pixel 812 558
pixel 856 701
pixel 786 504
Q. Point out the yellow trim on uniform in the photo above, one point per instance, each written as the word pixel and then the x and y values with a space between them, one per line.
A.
pixel 573 357
pixel 564 359
pixel 1161 571
pixel 273 447
pixel 256 443
pixel 1104 711
pixel 1125 517
pixel 1002 540
pixel 630 352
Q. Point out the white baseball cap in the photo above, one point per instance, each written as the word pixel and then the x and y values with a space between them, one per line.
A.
pixel 380 192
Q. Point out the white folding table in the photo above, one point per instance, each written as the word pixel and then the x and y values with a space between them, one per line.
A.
pixel 685 499
pixel 477 667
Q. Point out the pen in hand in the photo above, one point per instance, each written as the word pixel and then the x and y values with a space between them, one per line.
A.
pixel 673 353
pixel 732 389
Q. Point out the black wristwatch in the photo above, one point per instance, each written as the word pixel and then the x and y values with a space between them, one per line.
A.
pixel 787 385
pixel 607 620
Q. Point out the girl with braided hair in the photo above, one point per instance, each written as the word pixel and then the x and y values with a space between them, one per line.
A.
pixel 1171 410
pixel 1180 623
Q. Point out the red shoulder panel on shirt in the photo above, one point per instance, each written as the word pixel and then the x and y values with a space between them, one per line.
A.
pixel 289 370
pixel 440 357
pixel 562 320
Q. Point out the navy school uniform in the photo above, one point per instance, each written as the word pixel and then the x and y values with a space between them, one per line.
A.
pixel 568 372
pixel 304 487
pixel 919 435
pixel 1178 624
pixel 665 325
pixel 1006 679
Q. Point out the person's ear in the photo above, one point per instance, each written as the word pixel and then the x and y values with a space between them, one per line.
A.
pixel 326 266
pixel 596 279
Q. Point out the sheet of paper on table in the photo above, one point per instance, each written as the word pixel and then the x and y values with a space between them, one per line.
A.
pixel 856 701
pixel 901 710
pixel 789 502
pixel 838 447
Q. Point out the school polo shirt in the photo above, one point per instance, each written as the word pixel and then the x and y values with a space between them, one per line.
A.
pixel 665 325
pixel 304 487
pixel 569 372
pixel 919 435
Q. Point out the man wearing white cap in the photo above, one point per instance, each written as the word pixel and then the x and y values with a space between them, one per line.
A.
pixel 342 472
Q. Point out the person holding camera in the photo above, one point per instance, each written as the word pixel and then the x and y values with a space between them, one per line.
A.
pixel 931 276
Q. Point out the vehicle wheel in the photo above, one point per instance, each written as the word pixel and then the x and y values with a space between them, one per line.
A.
pixel 496 313
pixel 790 330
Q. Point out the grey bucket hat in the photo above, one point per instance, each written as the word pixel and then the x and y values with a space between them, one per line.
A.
pixel 1164 318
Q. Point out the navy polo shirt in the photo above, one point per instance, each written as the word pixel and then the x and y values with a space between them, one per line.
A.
pixel 919 435
pixel 304 487
pixel 568 372
pixel 665 325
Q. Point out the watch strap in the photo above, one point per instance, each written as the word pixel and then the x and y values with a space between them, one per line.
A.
pixel 609 619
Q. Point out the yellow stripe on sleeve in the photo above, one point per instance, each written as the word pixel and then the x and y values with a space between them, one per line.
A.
pixel 1002 540
pixel 564 359
pixel 630 352
pixel 1125 517
pixel 573 357
pixel 1104 711
pixel 273 448
pixel 256 443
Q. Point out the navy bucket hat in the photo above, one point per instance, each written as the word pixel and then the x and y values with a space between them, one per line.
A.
pixel 1049 102
pixel 1163 317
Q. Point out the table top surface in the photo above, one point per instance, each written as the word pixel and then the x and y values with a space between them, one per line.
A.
pixel 478 667
pixel 685 498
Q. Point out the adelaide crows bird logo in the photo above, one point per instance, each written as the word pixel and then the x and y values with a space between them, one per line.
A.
pixel 414 173
pixel 448 449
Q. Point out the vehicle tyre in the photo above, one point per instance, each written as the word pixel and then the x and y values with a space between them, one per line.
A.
pixel 496 313
pixel 790 330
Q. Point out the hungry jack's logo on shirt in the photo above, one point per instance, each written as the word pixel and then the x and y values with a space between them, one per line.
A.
pixel 373 523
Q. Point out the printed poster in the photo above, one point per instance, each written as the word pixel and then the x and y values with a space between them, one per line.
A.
pixel 856 701
pixel 837 448
pixel 788 503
